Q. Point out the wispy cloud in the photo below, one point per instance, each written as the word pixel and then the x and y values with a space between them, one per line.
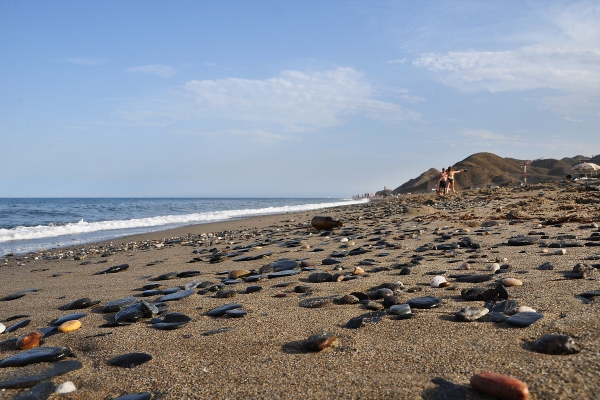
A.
pixel 82 60
pixel 400 61
pixel 483 134
pixel 164 71
pixel 567 60
pixel 294 99
pixel 574 120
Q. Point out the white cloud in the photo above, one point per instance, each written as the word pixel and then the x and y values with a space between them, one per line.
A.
pixel 567 60
pixel 401 61
pixel 82 60
pixel 164 71
pixel 483 134
pixel 574 120
pixel 294 99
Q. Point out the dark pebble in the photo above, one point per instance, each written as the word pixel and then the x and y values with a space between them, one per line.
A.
pixel 320 341
pixel 177 296
pixel 219 311
pixel 253 289
pixel 556 344
pixel 135 396
pixel 65 318
pixel 130 360
pixel 18 325
pixel 26 378
pixel 79 304
pixel 524 319
pixel 39 392
pixel 116 305
pixel 113 270
pixel 424 302
pixel 39 354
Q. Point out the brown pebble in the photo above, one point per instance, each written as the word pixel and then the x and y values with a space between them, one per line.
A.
pixel 320 341
pixel 29 341
pixel 239 273
pixel 500 386
pixel 508 282
pixel 358 271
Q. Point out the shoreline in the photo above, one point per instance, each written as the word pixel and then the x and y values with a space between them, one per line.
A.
pixel 261 354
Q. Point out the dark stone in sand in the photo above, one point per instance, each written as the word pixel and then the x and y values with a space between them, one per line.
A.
pixel 474 278
pixel 253 289
pixel 339 254
pixel 168 326
pixel 473 294
pixel 576 275
pixel 383 292
pixel 506 307
pixel 446 246
pixel 357 251
pixel 17 295
pixel 152 292
pixel 590 293
pixel 346 299
pixel 547 266
pixel 318 277
pixel 392 301
pixel 218 330
pixel 320 341
pixel 303 289
pixel 39 354
pixel 317 302
pixel 230 281
pixel 284 265
pixel 151 286
pixel 165 277
pixel 176 317
pixel 524 319
pixel 254 278
pixel 237 313
pixel 85 302
pixel 130 360
pixel 65 318
pixel 355 323
pixel 448 390
pixel 18 316
pixel 495 316
pixel 556 344
pixel 39 392
pixel 424 302
pixel 502 292
pixel 330 261
pixel 188 274
pixel 280 274
pixel 113 270
pixel 243 258
pixel 136 396
pixel 405 271
pixel 225 294
pixel 219 311
pixel 18 325
pixel 523 241
pixel 27 378
pixel 177 296
pixel 130 314
pixel 116 305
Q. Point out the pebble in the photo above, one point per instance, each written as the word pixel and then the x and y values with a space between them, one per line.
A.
pixel 116 305
pixel 177 296
pixel 500 386
pixel 85 302
pixel 470 314
pixel 176 317
pixel 2 327
pixel 464 266
pixel 556 344
pixel 66 387
pixel 436 281
pixel 65 318
pixel 135 396
pixel 220 311
pixel 509 282
pixel 494 267
pixel 39 392
pixel 317 302
pixel 29 341
pixel 18 325
pixel 400 309
pixel 424 302
pixel 130 360
pixel 560 252
pixel 25 378
pixel 69 326
pixel 239 273
pixel 320 341
pixel 39 354
pixel 237 313
pixel 358 271
pixel 113 270
pixel 524 319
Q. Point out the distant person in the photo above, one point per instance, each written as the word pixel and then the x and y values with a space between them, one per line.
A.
pixel 451 172
pixel 441 182
pixel 569 178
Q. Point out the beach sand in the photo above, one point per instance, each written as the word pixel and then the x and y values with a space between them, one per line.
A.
pixel 262 355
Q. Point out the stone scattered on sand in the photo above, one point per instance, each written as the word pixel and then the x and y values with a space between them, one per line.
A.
pixel 220 311
pixel 113 270
pixel 500 386
pixel 39 392
pixel 509 282
pixel 116 305
pixel 69 326
pixel 317 302
pixel 424 302
pixel 29 341
pixel 65 387
pixel 436 281
pixel 320 341
pixel 2 327
pixel 85 302
pixel 523 240
pixel 239 273
pixel 470 314
pixel 28 377
pixel 524 319
pixel 401 309
pixel 135 396
pixel 36 355
pixel 18 325
pixel 130 360
pixel 556 344
pixel 65 318
pixel 177 296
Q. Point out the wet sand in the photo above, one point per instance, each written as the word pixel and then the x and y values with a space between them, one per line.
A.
pixel 262 355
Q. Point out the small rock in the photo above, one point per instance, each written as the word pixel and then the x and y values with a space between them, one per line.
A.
pixel 525 309
pixel 500 386
pixel 556 344
pixel 524 319
pixel 66 387
pixel 436 281
pixel 358 271
pixel 470 314
pixel 69 326
pixel 29 341
pixel 508 282
pixel 320 341
pixel 494 267
pixel 560 252
pixel 464 266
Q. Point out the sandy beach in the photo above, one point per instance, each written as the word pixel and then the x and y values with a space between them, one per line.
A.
pixel 262 355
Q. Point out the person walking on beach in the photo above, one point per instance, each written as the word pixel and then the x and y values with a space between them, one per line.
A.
pixel 450 173
pixel 441 182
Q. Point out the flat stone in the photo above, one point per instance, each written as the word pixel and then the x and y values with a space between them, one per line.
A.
pixel 65 318
pixel 319 277
pixel 177 296
pixel 495 316
pixel 470 314
pixel 317 302
pixel 40 391
pixel 236 313
pixel 188 274
pixel 331 261
pixel 130 360
pixel 220 311
pixel 474 278
pixel 284 265
pixel 280 274
pixel 135 396
pixel 424 302
pixel 473 294
pixel 591 293
pixel 79 304
pixel 18 325
pixel 39 354
pixel 30 376
pixel 400 309
pixel 116 305
pixel 500 386
pixel 169 326
pixel 113 270
pixel 253 289
pixel 166 276
pixel 524 319
pixel 523 241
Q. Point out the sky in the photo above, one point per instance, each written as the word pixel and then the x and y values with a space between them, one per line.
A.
pixel 286 98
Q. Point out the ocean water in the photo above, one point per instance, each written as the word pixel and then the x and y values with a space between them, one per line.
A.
pixel 31 224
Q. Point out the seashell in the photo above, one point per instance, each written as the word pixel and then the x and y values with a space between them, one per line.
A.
pixel 464 266
pixel 494 267
pixel 358 271
pixel 70 326
pixel 524 309
pixel 437 280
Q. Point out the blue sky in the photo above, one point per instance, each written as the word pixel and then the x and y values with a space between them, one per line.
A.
pixel 286 99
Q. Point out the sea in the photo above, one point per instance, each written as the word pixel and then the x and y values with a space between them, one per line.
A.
pixel 31 224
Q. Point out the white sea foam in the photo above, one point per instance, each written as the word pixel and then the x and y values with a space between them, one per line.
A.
pixel 82 227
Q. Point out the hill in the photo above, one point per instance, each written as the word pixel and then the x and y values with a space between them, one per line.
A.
pixel 484 169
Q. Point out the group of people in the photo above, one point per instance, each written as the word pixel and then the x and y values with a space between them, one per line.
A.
pixel 445 180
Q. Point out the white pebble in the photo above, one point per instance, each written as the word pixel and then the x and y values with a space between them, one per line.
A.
pixel 66 387
pixel 538 226
pixel 525 309
pixel 436 281
pixel 560 252
pixel 344 240
pixel 494 267
pixel 464 266
pixel 544 250
pixel 2 328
